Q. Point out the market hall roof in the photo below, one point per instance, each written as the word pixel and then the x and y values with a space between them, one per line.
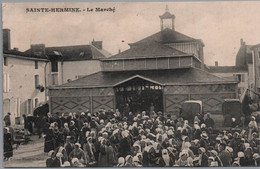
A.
pixel 156 45
pixel 187 76
pixel 151 49
pixel 167 36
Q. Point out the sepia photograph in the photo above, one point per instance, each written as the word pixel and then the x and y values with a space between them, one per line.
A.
pixel 131 84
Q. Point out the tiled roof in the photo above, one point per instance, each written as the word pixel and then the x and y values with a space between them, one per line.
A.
pixel 167 36
pixel 148 50
pixel 255 46
pixel 226 69
pixel 179 76
pixel 23 54
pixel 76 53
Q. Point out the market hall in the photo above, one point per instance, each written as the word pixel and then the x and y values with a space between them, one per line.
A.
pixel 159 71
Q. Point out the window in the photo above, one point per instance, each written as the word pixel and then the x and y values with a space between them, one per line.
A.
pixel 54 66
pixel 242 78
pixel 36 80
pixel 6 85
pixel 36 64
pixel 259 54
pixel 5 61
pixel 258 71
pixel 29 106
pixel 239 77
pixel 18 104
pixel 36 102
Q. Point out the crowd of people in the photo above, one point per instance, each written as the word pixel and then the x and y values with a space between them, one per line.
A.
pixel 106 139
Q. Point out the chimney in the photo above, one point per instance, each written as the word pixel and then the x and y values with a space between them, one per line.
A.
pixel 6 39
pixel 16 49
pixel 119 51
pixel 242 42
pixel 216 63
pixel 38 49
pixel 97 44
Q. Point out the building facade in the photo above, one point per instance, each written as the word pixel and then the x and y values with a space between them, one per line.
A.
pixel 23 81
pixel 239 74
pixel 26 75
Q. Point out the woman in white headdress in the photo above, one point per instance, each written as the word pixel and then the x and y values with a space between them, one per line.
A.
pixel 165 160
pixel 136 162
pixel 128 161
pixel 121 162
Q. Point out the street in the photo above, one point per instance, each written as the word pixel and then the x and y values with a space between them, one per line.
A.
pixel 28 155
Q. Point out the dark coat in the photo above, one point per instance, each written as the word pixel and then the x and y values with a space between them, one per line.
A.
pixel 8 149
pixel 52 162
pixel 49 143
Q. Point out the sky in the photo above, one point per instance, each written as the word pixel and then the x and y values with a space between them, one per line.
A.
pixel 220 25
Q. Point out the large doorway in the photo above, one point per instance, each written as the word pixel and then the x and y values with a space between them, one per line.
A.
pixel 137 95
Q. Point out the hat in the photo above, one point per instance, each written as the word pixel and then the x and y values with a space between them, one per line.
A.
pixel 66 164
pixel 203 125
pixel 202 149
pixel 101 121
pixel 121 161
pixel 204 135
pixel 229 149
pixel 135 159
pixel 74 160
pixel 214 152
pixel 256 156
pixel 82 113
pixel 77 144
pixel 240 154
pixel 211 158
pixel 183 153
pixel 179 129
pixel 187 144
pixel 247 145
pixel 50 153
pixel 59 155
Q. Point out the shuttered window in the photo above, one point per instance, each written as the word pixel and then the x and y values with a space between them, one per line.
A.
pixel 6 83
pixel 36 80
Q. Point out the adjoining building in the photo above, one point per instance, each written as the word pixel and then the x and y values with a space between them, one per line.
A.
pixel 246 70
pixel 162 70
pixel 23 80
pixel 233 73
pixel 26 75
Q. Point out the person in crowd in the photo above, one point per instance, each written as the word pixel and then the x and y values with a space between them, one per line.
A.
pixel 256 157
pixel 184 160
pixel 107 155
pixel 49 143
pixel 78 153
pixel 224 156
pixel 52 161
pixel 209 122
pixel 7 119
pixel 8 144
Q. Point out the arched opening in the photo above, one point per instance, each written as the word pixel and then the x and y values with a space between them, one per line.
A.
pixel 137 95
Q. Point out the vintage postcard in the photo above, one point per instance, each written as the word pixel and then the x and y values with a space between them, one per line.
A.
pixel 136 84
